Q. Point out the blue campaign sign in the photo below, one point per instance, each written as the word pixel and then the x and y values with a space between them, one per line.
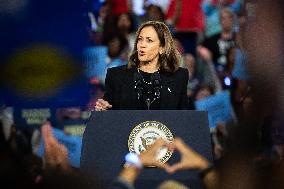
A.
pixel 116 62
pixel 218 106
pixel 33 117
pixel 41 56
pixel 72 143
pixel 72 118
pixel 95 60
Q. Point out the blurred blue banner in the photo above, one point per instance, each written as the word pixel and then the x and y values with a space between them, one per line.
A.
pixel 72 143
pixel 218 106
pixel 95 59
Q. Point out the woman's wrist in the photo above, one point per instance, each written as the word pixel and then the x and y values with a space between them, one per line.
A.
pixel 134 160
pixel 131 167
pixel 129 173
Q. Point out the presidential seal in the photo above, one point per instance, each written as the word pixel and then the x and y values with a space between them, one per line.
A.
pixel 145 134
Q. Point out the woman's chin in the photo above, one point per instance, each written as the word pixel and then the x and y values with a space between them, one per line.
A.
pixel 143 61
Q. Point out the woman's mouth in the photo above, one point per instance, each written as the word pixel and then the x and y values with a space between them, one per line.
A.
pixel 141 53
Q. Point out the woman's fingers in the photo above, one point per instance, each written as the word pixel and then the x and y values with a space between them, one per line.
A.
pixel 102 105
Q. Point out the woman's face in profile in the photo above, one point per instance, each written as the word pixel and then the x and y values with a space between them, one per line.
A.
pixel 148 45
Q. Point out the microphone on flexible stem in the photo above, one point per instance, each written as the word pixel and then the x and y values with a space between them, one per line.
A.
pixel 148 103
pixel 138 84
pixel 156 80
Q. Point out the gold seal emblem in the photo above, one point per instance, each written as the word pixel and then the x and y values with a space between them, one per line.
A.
pixel 145 134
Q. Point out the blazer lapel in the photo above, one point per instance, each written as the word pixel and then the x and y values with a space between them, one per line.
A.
pixel 167 90
pixel 128 88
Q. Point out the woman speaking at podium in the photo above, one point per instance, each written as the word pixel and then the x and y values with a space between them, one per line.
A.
pixel 152 79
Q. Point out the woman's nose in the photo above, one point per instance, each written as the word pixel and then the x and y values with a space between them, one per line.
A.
pixel 142 43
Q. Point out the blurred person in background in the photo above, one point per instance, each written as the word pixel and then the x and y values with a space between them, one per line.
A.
pixel 122 26
pixel 216 48
pixel 226 60
pixel 153 12
pixel 211 9
pixel 117 47
pixel 118 7
pixel 97 23
pixel 126 27
pixel 186 19
pixel 195 78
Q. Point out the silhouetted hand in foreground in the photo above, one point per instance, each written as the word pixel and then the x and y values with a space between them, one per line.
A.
pixel 189 158
pixel 55 154
pixel 149 157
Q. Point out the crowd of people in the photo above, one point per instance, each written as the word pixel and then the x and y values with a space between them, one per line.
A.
pixel 210 40
pixel 224 45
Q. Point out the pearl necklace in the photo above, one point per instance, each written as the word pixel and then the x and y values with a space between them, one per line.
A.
pixel 148 83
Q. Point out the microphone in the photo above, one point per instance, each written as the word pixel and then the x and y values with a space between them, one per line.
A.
pixel 138 84
pixel 156 80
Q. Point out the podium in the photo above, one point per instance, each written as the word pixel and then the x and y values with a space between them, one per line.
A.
pixel 105 143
